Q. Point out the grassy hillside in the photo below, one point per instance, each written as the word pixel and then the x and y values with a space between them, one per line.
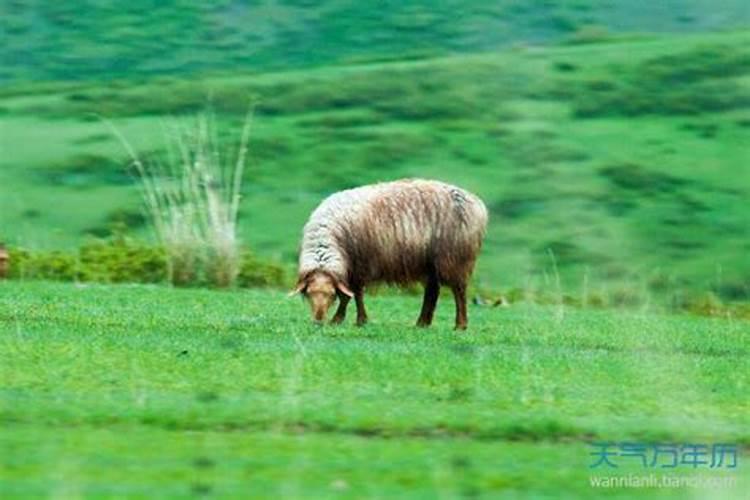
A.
pixel 123 391
pixel 84 39
pixel 620 167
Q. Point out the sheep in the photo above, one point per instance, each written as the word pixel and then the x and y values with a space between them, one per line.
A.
pixel 4 261
pixel 400 232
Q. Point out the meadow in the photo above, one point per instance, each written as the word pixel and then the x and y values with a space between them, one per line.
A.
pixel 127 390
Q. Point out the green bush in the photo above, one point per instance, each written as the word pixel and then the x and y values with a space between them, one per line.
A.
pixel 694 82
pixel 121 259
pixel 633 177
pixel 736 289
pixel 698 64
pixel 53 265
pixel 86 170
pixel 257 273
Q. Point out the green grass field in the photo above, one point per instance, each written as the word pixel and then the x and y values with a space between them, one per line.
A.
pixel 131 390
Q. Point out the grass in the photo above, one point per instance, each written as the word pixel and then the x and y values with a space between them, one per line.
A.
pixel 120 390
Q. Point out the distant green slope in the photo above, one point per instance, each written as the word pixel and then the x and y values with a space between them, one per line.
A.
pixel 619 166
pixel 82 39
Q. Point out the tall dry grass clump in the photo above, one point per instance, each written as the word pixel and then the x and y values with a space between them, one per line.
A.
pixel 193 199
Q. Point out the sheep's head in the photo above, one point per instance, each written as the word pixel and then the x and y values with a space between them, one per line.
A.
pixel 320 289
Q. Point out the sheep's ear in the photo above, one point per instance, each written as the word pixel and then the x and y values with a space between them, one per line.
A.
pixel 301 285
pixel 344 289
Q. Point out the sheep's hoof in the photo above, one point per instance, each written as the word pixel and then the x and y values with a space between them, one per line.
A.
pixel 361 321
pixel 421 323
pixel 461 327
pixel 337 320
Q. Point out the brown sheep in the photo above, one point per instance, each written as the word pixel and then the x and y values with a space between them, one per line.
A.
pixel 395 232
pixel 4 262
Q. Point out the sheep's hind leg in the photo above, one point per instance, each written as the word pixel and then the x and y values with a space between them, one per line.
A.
pixel 431 294
pixel 359 299
pixel 341 311
pixel 459 294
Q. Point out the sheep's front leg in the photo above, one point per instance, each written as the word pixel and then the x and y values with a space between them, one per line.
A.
pixel 341 311
pixel 431 293
pixel 359 298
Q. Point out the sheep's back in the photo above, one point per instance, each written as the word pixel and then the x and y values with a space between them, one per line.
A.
pixel 399 231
